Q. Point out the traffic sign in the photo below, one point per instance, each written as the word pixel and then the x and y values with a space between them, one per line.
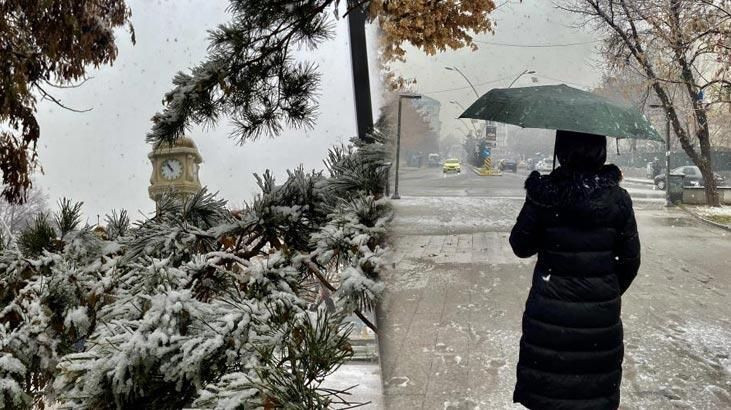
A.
pixel 491 133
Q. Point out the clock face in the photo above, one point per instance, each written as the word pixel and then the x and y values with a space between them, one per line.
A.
pixel 171 169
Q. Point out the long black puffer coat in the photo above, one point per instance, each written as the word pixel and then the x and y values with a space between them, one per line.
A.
pixel 583 228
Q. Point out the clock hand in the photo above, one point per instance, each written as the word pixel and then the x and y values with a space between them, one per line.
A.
pixel 167 164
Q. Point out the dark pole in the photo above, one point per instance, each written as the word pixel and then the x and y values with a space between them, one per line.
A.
pixel 359 62
pixel 398 151
pixel 667 161
pixel 668 202
pixel 398 142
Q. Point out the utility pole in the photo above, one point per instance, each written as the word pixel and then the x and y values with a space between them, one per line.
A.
pixel 357 14
pixel 668 202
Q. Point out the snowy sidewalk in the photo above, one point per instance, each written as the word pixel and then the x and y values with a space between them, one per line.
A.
pixel 450 319
pixel 451 315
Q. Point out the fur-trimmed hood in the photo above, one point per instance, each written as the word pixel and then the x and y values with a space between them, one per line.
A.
pixel 563 187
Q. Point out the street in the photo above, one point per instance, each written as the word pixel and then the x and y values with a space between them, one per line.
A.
pixel 451 315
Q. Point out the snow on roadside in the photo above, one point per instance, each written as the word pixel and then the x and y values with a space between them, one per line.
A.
pixel 366 376
pixel 713 211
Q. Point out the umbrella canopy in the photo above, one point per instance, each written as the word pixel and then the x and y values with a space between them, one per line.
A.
pixel 560 107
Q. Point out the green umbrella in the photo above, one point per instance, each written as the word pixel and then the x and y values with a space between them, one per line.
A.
pixel 560 107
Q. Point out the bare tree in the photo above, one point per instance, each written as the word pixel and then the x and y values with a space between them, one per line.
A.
pixel 682 48
pixel 14 217
pixel 629 88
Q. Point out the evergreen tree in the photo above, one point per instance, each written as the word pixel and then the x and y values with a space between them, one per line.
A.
pixel 200 305
pixel 251 76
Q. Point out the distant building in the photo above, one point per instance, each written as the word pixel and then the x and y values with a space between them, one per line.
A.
pixel 429 108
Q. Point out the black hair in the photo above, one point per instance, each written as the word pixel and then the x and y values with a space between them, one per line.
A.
pixel 581 152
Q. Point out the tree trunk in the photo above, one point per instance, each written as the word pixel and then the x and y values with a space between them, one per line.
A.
pixel 703 161
pixel 706 167
pixel 712 197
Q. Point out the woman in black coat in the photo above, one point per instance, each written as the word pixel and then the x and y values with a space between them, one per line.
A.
pixel 582 226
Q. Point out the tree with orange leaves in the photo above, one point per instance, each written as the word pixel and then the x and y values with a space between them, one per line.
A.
pixel 45 45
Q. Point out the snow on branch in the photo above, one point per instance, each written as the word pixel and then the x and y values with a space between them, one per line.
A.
pixel 199 305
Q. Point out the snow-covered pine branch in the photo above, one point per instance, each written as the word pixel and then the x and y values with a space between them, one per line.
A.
pixel 199 305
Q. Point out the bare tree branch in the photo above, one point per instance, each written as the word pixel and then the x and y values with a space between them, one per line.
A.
pixel 56 101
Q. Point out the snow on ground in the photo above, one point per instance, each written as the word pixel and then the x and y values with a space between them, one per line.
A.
pixel 366 376
pixel 455 214
pixel 720 215
pixel 719 211
pixel 699 376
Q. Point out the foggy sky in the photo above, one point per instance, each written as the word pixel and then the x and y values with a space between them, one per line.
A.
pixel 527 23
pixel 100 157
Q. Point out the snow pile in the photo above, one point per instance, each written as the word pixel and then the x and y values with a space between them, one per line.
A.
pixel 717 211
pixel 720 214
pixel 199 306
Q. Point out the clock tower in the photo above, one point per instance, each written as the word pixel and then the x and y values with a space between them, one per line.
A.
pixel 175 169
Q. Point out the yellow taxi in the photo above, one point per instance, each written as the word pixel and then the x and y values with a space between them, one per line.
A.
pixel 451 165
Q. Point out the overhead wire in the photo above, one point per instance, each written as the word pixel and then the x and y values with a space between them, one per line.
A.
pixel 465 87
pixel 548 45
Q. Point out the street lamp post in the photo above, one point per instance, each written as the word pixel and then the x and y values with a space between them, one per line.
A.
pixel 465 77
pixel 526 71
pixel 472 123
pixel 667 155
pixel 474 90
pixel 398 141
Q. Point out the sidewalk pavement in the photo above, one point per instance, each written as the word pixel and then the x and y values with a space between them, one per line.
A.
pixel 450 319
pixel 365 376
pixel 451 314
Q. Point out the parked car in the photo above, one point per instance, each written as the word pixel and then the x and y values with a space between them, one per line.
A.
pixel 434 160
pixel 545 166
pixel 508 164
pixel 653 168
pixel 452 165
pixel 692 177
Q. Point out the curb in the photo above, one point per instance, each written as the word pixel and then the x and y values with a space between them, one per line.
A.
pixel 704 220
pixel 642 195
pixel 640 181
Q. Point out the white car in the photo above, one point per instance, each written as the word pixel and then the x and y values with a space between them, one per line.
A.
pixel 545 166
